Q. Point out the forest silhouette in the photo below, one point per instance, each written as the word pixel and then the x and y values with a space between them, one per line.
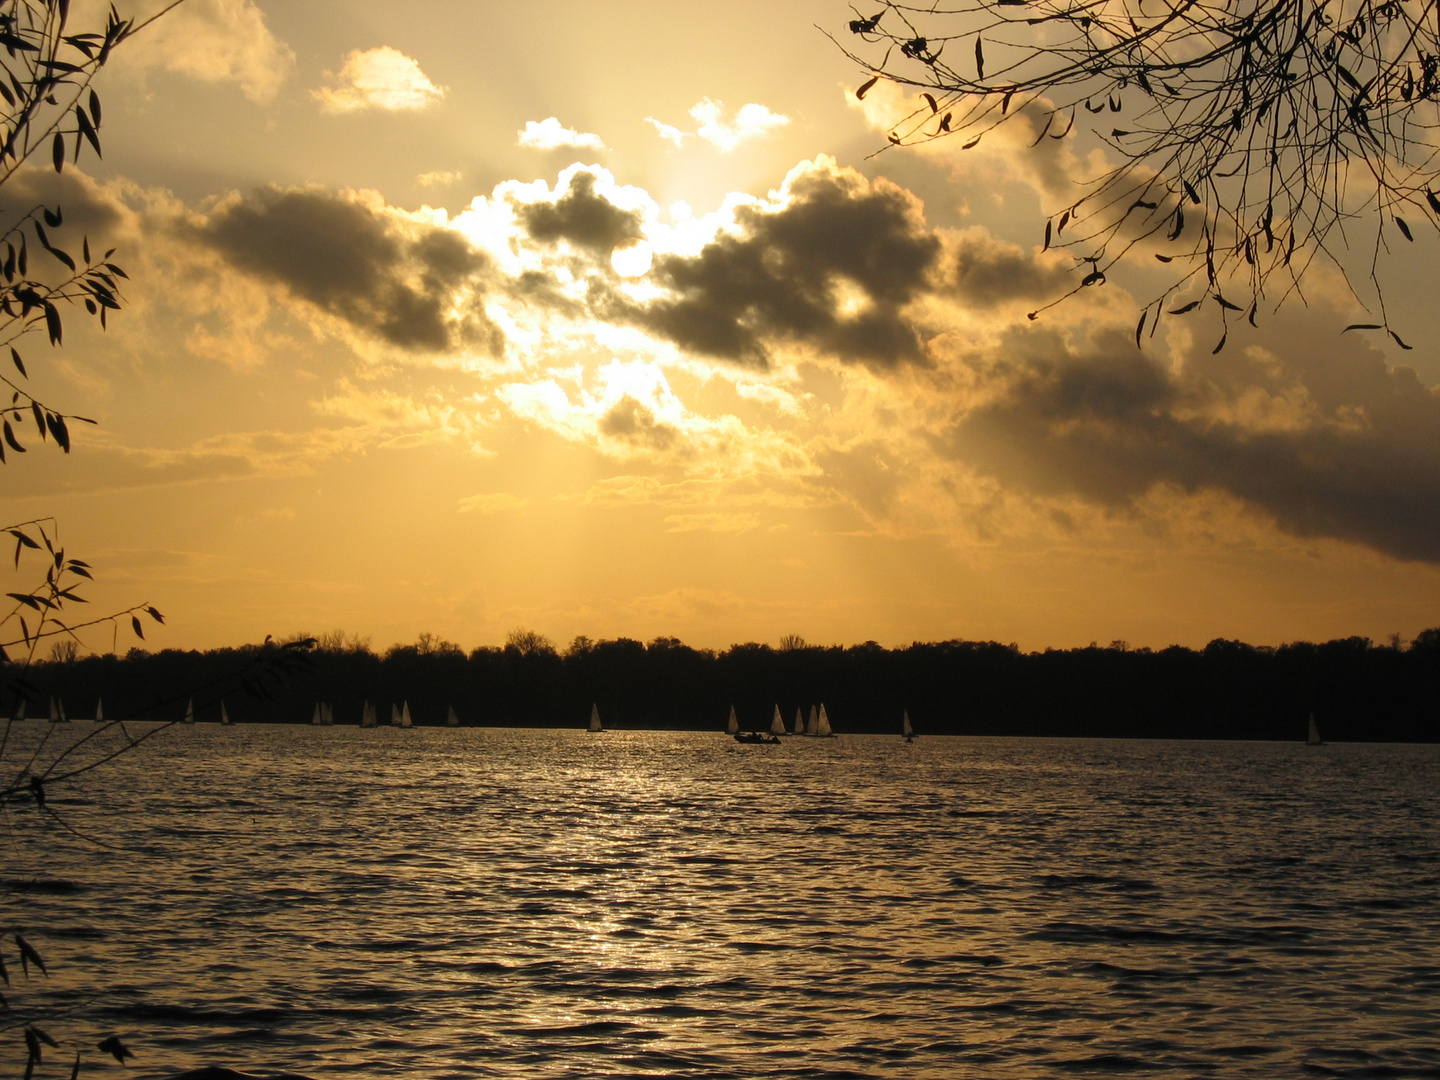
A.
pixel 1358 690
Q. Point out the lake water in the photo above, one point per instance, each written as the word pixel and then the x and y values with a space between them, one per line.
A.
pixel 519 903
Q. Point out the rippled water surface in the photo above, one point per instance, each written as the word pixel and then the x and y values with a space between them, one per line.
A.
pixel 459 903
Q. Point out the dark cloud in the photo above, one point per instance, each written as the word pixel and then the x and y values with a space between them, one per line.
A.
pixel 984 272
pixel 582 217
pixel 785 276
pixel 1317 431
pixel 354 263
pixel 634 422
pixel 87 209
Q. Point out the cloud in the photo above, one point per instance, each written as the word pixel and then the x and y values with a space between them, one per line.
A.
pixel 830 347
pixel 1312 429
pixel 438 179
pixel 550 134
pixel 830 263
pixel 581 216
pixel 211 40
pixel 752 121
pixel 411 284
pixel 492 502
pixel 380 78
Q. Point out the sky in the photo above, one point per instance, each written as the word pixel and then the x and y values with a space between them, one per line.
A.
pixel 609 320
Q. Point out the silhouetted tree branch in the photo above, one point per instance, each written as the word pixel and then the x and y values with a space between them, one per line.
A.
pixel 1249 133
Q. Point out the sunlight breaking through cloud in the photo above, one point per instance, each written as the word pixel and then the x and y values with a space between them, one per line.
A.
pixel 379 78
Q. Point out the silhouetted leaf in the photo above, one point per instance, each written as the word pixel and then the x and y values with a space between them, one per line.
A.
pixel 930 100
pixel 1226 304
pixel 979 59
pixel 1165 258
pixel 1433 200
pixel 1402 344
pixel 53 218
pixel 971 144
pixel 865 87
pixel 19 364
pixel 945 122
pixel 1404 229
pixel 1047 237
pixel 155 614
pixel 135 625
pixel 1095 277
pixel 57 151
pixel 1140 327
pixel 1362 326
pixel 52 323
pixel 1186 307
pixel 1222 343
pixel 95 107
pixel 56 423
pixel 87 130
pixel 29 956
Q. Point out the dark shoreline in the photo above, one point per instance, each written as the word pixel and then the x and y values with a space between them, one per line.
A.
pixel 1357 690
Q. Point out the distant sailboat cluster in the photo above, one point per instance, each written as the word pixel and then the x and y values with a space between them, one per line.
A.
pixel 816 727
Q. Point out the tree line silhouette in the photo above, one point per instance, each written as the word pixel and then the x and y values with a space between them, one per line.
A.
pixel 1357 689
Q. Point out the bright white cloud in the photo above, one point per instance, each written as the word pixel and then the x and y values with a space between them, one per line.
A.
pixel 550 134
pixel 381 78
pixel 211 40
pixel 751 121
pixel 437 179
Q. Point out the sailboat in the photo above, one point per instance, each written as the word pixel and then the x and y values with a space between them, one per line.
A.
pixel 813 727
pixel 905 728
pixel 316 719
pixel 327 715
pixel 189 710
pixel 57 712
pixel 732 726
pixel 224 716
pixel 405 715
pixel 394 715
pixel 799 722
pixel 367 715
pixel 99 710
pixel 777 725
pixel 451 720
pixel 595 718
pixel 1313 739
pixel 822 729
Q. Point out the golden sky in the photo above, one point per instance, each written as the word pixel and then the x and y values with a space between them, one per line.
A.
pixel 602 320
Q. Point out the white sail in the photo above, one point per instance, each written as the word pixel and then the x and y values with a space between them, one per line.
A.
pixel 328 714
pixel 451 720
pixel 799 722
pixel 367 715
pixel 189 710
pixel 54 713
pixel 595 718
pixel 63 718
pixel 20 709
pixel 905 728
pixel 813 727
pixel 315 717
pixel 824 725
pixel 405 720
pixel 224 716
pixel 99 710
pixel 777 725
pixel 732 725
pixel 1314 737
pixel 394 715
